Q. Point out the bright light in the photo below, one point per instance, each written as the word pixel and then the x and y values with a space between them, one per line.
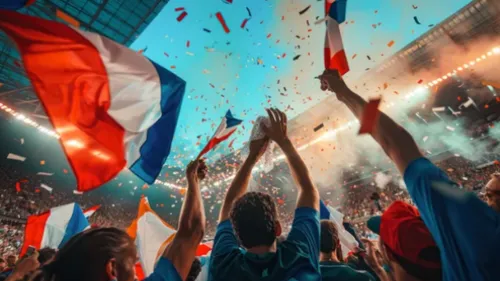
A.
pixel 449 74
pixel 445 77
pixel 460 69
pixel 496 50
pixel 466 66
pixel 489 53
pixel 74 143
pixel 483 57
pixel 430 84
pixel 440 80
pixel 472 62
pixel 478 59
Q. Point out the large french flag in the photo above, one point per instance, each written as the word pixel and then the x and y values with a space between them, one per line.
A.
pixel 226 128
pixel 347 242
pixel 15 4
pixel 335 57
pixel 113 108
pixel 54 228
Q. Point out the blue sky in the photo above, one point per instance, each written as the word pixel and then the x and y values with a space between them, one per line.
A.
pixel 241 70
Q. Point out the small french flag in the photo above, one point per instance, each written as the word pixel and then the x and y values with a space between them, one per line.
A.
pixel 347 242
pixel 335 57
pixel 54 228
pixel 112 107
pixel 226 128
pixel 90 211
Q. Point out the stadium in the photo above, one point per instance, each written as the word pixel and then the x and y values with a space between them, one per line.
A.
pixel 442 87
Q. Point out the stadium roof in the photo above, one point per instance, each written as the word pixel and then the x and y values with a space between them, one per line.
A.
pixel 120 20
pixel 480 18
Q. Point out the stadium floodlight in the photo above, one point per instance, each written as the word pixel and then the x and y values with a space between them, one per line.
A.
pixel 496 50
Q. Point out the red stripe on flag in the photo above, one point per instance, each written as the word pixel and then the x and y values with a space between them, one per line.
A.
pixel 202 250
pixel 33 232
pixel 214 142
pixel 337 61
pixel 71 81
pixel 370 117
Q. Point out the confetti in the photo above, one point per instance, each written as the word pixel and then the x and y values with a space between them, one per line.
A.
pixel 44 174
pixel 249 13
pixel 42 162
pixel 386 86
pixel 370 116
pixel 228 1
pixel 425 138
pixel 450 128
pixel 244 23
pixel 353 56
pixel 207 30
pixel 67 18
pixel 414 6
pixel 179 9
pixel 390 44
pixel 77 192
pixel 182 16
pixel 18 187
pixel 416 20
pixel 222 22
pixel 269 35
pixel 420 81
pixel 319 127
pixel 46 187
pixel 304 10
pixel 188 43
pixel 439 109
pixel 368 57
pixel 296 57
pixel 13 156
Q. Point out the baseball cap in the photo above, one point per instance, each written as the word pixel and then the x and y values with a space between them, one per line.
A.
pixel 403 231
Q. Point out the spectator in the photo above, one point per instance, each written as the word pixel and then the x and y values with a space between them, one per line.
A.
pixel 3 264
pixel 406 244
pixel 464 228
pixel 254 218
pixel 332 269
pixel 493 192
pixel 46 255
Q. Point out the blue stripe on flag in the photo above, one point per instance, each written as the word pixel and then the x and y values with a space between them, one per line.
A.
pixel 156 148
pixel 324 214
pixel 338 11
pixel 77 223
pixel 231 121
pixel 13 4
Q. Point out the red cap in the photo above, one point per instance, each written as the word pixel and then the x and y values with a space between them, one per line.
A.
pixel 403 231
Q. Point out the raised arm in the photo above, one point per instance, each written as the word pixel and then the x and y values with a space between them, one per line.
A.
pixel 181 252
pixel 397 143
pixel 308 194
pixel 240 182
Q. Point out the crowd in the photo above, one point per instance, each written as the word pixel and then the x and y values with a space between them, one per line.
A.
pixel 429 221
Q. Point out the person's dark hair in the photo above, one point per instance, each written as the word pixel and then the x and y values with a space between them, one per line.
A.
pixel 45 255
pixel 2 260
pixel 84 257
pixel 254 219
pixel 194 271
pixel 329 237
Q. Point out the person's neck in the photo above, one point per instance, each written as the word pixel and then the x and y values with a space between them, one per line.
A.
pixel 328 257
pixel 400 275
pixel 263 249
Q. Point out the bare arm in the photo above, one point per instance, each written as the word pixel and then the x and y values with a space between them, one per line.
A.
pixel 240 182
pixel 308 194
pixel 181 252
pixel 397 143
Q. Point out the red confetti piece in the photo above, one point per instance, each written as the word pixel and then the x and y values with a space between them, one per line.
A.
pixel 188 43
pixel 370 117
pixel 222 22
pixel 269 35
pixel 179 9
pixel 18 187
pixel 420 81
pixel 244 23
pixel 182 16
pixel 231 143
pixel 284 55
pixel 282 17
pixel 390 44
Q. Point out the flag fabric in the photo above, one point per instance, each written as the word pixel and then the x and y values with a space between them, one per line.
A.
pixel 15 4
pixel 347 241
pixel 151 235
pixel 54 228
pixel 335 57
pixel 112 108
pixel 226 128
pixel 90 211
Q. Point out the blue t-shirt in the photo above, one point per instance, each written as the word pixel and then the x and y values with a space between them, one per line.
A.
pixel 164 271
pixel 465 229
pixel 334 271
pixel 297 258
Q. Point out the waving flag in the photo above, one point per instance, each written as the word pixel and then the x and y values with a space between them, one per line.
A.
pixel 90 211
pixel 226 128
pixel 111 106
pixel 335 57
pixel 151 235
pixel 15 4
pixel 54 228
pixel 347 241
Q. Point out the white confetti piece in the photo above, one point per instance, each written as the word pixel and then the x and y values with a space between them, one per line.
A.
pixel 46 187
pixel 77 192
pixel 13 156
pixel 425 138
pixel 439 109
pixel 44 174
pixel 450 128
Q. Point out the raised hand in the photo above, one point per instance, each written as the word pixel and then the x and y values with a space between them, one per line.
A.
pixel 196 170
pixel 277 132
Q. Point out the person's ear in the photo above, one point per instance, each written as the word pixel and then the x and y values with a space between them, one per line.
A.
pixel 111 273
pixel 277 229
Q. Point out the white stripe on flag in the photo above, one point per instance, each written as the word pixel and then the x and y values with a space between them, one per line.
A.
pixel 334 37
pixel 56 224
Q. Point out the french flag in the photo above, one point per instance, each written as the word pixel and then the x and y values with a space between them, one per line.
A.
pixel 15 4
pixel 112 107
pixel 90 211
pixel 335 57
pixel 226 128
pixel 347 242
pixel 54 228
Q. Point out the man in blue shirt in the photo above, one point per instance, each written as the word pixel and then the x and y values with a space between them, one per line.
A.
pixel 250 220
pixel 465 229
